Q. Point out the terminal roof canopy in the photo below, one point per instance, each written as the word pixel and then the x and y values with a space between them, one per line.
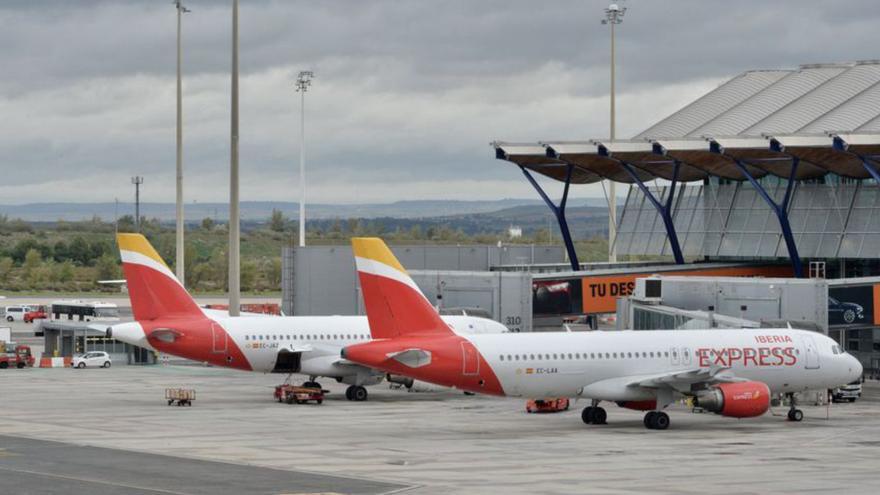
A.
pixel 826 117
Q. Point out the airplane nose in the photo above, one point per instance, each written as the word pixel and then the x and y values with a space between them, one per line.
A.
pixel 856 369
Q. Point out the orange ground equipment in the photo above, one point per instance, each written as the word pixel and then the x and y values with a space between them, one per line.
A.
pixel 293 394
pixel 547 405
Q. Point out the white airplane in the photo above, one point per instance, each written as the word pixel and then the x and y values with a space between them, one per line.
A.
pixel 167 319
pixel 729 372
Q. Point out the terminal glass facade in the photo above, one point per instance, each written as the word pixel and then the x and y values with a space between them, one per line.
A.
pixel 831 218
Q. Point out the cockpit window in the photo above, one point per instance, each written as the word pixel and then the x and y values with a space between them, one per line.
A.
pixel 836 349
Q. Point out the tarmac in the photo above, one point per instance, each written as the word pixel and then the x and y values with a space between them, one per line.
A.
pixel 111 431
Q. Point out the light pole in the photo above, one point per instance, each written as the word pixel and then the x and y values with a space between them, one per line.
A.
pixel 234 234
pixel 137 181
pixel 303 81
pixel 613 16
pixel 179 265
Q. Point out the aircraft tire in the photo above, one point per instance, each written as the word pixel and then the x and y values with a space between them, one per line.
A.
pixel 599 416
pixel 649 419
pixel 358 393
pixel 587 415
pixel 660 421
pixel 795 415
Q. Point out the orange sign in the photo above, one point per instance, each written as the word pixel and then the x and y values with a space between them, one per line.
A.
pixel 600 293
pixel 877 304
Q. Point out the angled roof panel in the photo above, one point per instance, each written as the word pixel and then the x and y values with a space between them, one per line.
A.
pixel 872 125
pixel 713 103
pixel 849 116
pixel 768 101
pixel 818 102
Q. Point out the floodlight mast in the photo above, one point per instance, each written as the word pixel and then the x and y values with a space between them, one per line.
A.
pixel 179 252
pixel 303 82
pixel 613 16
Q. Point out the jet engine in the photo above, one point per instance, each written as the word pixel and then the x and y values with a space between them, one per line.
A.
pixel 736 400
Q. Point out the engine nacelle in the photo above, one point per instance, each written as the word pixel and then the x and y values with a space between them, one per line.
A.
pixel 736 400
pixel 400 379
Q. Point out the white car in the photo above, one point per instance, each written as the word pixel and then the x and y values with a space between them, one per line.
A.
pixel 16 313
pixel 94 358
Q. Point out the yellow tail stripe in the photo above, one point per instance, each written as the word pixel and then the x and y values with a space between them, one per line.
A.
pixel 373 248
pixel 139 244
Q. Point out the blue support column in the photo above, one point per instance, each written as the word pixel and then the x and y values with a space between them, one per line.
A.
pixel 781 210
pixel 871 169
pixel 559 211
pixel 665 211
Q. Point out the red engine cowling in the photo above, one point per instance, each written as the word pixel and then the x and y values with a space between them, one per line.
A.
pixel 736 400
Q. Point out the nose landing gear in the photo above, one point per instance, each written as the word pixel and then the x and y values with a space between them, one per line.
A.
pixel 794 414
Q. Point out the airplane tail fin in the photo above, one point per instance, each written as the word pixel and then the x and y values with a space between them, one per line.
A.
pixel 395 305
pixel 153 289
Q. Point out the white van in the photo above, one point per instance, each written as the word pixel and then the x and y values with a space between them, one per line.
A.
pixel 16 313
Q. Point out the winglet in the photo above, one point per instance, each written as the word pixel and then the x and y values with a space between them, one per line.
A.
pixel 395 305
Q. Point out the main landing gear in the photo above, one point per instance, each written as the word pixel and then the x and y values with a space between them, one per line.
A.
pixel 594 415
pixel 656 420
pixel 356 393
pixel 794 414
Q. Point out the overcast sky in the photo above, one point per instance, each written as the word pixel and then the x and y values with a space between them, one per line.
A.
pixel 406 98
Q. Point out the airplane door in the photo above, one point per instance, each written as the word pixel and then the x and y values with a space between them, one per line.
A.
pixel 811 354
pixel 470 359
pixel 219 338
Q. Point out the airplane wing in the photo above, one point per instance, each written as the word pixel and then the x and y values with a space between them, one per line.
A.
pixel 661 386
pixel 682 380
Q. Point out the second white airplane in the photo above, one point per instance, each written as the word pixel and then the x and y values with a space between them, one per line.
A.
pixel 169 320
pixel 729 372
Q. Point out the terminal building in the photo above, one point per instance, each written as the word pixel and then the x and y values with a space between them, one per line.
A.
pixel 773 174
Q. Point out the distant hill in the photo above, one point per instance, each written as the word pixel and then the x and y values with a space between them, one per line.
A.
pixel 261 210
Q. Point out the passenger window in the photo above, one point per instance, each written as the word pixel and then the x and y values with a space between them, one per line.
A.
pixel 246 337
pixel 666 354
pixel 501 357
pixel 532 357
pixel 508 357
pixel 615 355
pixel 554 356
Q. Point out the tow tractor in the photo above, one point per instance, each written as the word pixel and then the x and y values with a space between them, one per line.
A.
pixel 18 356
pixel 294 394
pixel 36 313
pixel 547 405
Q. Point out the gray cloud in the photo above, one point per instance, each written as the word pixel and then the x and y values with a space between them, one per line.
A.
pixel 407 94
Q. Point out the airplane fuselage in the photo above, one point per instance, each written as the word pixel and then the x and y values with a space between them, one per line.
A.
pixel 606 365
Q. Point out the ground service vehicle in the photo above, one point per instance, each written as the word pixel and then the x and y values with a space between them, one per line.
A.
pixel 848 393
pixel 96 311
pixel 547 405
pixel 169 320
pixel 16 313
pixel 729 372
pixel 292 394
pixel 37 313
pixel 18 356
pixel 92 359
pixel 182 396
